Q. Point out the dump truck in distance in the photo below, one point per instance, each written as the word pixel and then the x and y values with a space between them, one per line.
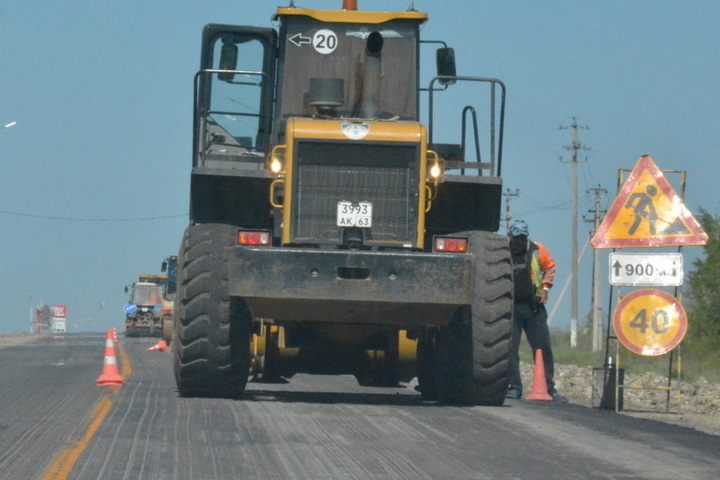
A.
pixel 332 231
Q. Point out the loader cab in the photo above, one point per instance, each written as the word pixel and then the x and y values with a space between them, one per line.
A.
pixel 147 294
pixel 347 64
pixel 234 96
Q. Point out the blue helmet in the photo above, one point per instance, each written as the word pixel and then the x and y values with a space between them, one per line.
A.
pixel 519 227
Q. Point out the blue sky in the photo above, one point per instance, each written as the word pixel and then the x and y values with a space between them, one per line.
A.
pixel 95 182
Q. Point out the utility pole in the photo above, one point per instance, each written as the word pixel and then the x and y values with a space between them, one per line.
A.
pixel 574 148
pixel 508 194
pixel 597 328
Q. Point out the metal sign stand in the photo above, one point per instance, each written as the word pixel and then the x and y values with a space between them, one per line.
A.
pixel 620 386
pixel 614 368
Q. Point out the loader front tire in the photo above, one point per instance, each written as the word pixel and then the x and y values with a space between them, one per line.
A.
pixel 211 341
pixel 473 351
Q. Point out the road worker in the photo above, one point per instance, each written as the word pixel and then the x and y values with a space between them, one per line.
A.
pixel 534 272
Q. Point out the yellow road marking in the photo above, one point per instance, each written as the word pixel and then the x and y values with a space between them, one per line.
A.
pixel 63 464
pixel 126 367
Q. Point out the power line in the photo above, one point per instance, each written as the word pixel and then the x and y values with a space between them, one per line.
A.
pixel 75 219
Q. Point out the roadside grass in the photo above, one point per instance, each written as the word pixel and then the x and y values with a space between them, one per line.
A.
pixel 693 367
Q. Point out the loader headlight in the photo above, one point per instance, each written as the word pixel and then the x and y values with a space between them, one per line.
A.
pixel 435 171
pixel 276 165
pixel 435 167
pixel 277 160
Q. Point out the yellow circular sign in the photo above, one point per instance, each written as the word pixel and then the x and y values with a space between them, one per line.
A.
pixel 650 322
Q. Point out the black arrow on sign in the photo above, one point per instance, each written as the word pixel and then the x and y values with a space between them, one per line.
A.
pixel 299 40
pixel 617 267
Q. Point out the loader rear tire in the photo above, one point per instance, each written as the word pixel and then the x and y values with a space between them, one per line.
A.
pixel 211 342
pixel 473 351
pixel 167 328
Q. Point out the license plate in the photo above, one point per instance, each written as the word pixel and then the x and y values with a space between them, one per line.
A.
pixel 354 214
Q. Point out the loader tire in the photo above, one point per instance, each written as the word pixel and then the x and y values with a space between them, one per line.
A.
pixel 211 341
pixel 473 351
pixel 167 328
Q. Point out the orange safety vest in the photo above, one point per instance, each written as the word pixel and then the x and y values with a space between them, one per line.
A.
pixel 542 266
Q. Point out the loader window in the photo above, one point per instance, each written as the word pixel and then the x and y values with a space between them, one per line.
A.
pixel 234 97
pixel 148 294
pixel 234 114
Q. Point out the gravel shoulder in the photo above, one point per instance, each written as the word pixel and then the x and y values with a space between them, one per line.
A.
pixel 15 339
pixel 693 405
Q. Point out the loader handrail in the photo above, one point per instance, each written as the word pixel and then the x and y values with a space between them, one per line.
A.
pixel 495 161
pixel 473 116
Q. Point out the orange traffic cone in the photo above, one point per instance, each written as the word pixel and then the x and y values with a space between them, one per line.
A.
pixel 115 337
pixel 539 385
pixel 160 346
pixel 110 374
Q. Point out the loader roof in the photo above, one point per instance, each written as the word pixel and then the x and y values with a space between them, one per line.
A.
pixel 351 16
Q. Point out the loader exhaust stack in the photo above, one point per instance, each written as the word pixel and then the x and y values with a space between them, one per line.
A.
pixel 372 75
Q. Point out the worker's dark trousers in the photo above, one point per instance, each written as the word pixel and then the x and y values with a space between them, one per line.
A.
pixel 534 323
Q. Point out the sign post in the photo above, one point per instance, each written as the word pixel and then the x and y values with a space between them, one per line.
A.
pixel 647 213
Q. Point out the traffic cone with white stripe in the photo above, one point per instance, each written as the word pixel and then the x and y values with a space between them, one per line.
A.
pixel 115 337
pixel 110 374
pixel 539 385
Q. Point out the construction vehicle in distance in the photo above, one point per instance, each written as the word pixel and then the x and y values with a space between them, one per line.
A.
pixel 331 232
pixel 169 267
pixel 144 311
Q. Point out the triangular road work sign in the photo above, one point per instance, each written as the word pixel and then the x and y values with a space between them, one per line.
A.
pixel 648 213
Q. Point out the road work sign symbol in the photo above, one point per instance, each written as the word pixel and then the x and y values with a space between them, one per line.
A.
pixel 648 213
pixel 649 322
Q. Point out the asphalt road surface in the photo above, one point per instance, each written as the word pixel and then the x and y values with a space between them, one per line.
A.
pixel 56 423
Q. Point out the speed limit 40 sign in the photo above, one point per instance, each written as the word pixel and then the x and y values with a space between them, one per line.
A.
pixel 650 322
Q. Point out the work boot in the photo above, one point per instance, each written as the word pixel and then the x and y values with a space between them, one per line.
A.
pixel 558 398
pixel 514 393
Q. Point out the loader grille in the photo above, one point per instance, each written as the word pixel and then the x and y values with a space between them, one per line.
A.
pixel 329 172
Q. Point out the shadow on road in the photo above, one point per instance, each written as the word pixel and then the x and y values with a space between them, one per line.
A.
pixel 336 397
